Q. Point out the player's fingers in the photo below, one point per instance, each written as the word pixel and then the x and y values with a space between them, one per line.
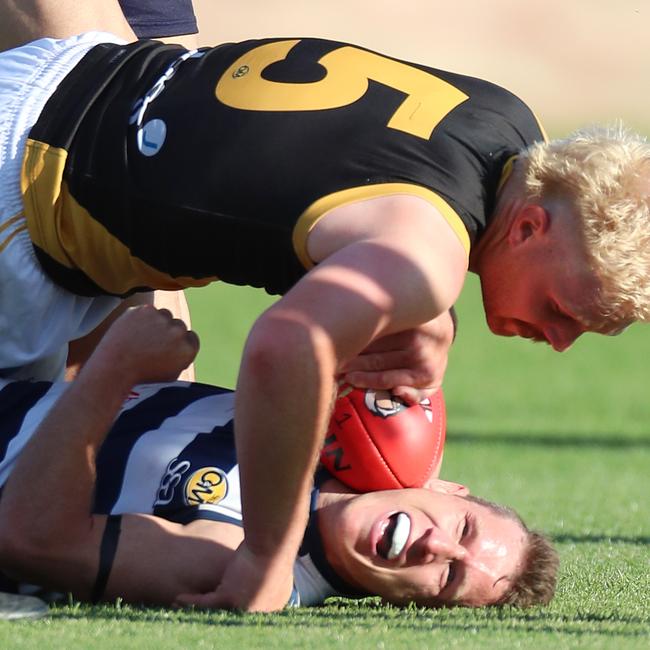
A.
pixel 193 341
pixel 147 310
pixel 376 361
pixel 410 395
pixel 145 317
pixel 190 348
pixel 397 341
pixel 163 312
pixel 424 377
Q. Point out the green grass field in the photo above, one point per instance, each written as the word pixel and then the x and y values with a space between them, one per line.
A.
pixel 562 438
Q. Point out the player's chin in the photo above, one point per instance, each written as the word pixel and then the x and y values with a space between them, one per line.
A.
pixel 500 326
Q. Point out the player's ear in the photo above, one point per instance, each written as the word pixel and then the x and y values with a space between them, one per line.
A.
pixel 530 220
pixel 447 487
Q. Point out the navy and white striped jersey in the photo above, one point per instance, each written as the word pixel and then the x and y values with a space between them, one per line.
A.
pixel 170 453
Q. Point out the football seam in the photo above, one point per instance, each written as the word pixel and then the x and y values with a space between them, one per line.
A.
pixel 385 464
pixel 375 450
pixel 440 438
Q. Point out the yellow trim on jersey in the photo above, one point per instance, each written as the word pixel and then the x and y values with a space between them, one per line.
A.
pixel 7 224
pixel 317 210
pixel 10 236
pixel 506 172
pixel 11 221
pixel 57 222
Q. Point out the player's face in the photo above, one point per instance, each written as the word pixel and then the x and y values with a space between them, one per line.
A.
pixel 415 545
pixel 540 302
pixel 542 288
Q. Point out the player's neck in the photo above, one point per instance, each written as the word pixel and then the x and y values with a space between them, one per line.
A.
pixel 509 200
pixel 332 500
pixel 333 492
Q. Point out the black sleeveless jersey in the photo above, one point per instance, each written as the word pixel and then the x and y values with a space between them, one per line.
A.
pixel 152 167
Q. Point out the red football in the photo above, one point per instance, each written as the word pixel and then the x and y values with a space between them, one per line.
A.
pixel 376 442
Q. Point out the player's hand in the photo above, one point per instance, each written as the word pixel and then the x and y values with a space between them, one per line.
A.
pixel 146 345
pixel 411 364
pixel 251 583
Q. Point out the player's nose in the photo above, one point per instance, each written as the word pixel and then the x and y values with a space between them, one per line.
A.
pixel 436 546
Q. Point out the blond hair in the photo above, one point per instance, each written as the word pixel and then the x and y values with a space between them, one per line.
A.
pixel 604 173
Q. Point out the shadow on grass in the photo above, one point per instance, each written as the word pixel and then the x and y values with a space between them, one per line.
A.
pixel 597 539
pixel 358 616
pixel 568 440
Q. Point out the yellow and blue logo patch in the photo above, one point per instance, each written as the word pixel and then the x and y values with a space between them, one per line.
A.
pixel 206 485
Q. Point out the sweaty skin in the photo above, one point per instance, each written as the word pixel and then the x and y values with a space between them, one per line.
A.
pixel 456 551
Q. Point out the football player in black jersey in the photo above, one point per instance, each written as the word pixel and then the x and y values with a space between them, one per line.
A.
pixel 358 186
pixel 167 453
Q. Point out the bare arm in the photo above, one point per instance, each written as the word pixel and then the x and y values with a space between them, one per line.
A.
pixel 156 560
pixel 22 21
pixel 401 277
pixel 59 544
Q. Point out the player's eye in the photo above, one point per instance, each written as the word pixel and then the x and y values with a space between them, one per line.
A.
pixel 464 531
pixel 466 528
pixel 451 574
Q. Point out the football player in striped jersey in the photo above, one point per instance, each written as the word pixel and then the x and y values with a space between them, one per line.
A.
pixel 114 486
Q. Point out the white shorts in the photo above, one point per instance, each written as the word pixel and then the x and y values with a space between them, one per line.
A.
pixel 37 317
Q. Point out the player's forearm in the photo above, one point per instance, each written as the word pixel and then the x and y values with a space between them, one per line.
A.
pixel 143 345
pixel 283 402
pixel 62 454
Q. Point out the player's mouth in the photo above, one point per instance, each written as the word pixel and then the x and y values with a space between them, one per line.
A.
pixel 516 327
pixel 394 532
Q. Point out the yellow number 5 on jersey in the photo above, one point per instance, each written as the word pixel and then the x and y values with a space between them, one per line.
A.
pixel 349 69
